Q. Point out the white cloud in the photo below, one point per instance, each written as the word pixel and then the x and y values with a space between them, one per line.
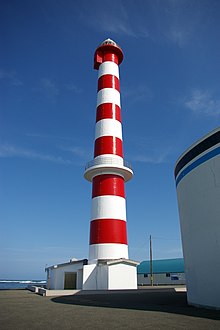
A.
pixel 149 151
pixel 170 20
pixel 76 150
pixel 73 87
pixel 178 23
pixel 8 151
pixel 49 136
pixel 203 102
pixel 49 88
pixel 150 159
pixel 138 93
pixel 112 17
pixel 11 76
pixel 178 35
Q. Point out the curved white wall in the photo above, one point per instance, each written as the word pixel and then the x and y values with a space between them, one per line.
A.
pixel 198 191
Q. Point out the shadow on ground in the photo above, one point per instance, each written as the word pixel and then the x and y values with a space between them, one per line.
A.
pixel 163 300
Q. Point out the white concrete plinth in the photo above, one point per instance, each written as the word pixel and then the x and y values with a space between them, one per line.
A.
pixel 119 274
pixel 56 293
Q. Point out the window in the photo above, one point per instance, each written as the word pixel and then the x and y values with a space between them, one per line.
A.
pixel 167 274
pixel 175 277
pixel 145 275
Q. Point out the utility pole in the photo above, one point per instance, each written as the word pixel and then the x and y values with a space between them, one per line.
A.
pixel 151 263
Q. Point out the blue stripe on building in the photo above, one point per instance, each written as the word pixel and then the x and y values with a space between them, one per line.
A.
pixel 201 147
pixel 198 162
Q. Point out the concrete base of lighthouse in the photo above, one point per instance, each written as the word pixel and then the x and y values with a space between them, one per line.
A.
pixel 117 274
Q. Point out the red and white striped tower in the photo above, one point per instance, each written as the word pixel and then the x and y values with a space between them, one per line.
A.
pixel 108 170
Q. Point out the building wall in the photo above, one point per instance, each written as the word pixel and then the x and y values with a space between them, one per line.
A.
pixel 109 277
pixel 102 277
pixel 89 277
pixel 122 276
pixel 162 279
pixel 79 281
pixel 199 210
pixel 95 277
pixel 57 276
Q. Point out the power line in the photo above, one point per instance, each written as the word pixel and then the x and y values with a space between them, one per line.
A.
pixel 166 239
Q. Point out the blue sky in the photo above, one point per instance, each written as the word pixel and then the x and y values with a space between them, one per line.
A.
pixel 170 84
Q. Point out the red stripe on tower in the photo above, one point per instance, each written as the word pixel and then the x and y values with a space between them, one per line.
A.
pixel 108 233
pixel 108 81
pixel 108 184
pixel 108 110
pixel 108 145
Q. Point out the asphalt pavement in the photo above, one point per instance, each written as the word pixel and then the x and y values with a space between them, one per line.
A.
pixel 156 308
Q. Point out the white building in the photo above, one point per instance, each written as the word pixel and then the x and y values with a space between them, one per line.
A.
pixel 110 275
pixel 105 275
pixel 165 272
pixel 197 174
pixel 66 276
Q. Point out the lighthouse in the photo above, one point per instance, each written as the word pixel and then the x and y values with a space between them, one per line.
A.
pixel 108 266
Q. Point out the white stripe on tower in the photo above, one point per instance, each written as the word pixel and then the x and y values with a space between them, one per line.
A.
pixel 108 127
pixel 108 95
pixel 104 207
pixel 108 68
pixel 108 232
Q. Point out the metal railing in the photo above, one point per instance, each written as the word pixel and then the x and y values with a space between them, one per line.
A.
pixel 108 161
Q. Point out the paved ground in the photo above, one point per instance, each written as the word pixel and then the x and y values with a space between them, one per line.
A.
pixel 143 309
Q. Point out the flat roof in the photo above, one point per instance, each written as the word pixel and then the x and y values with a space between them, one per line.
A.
pixel 71 262
pixel 162 266
pixel 118 261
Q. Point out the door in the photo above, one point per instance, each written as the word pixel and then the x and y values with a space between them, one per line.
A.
pixel 70 281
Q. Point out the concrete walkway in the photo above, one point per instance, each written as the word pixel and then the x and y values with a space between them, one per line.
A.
pixel 142 309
